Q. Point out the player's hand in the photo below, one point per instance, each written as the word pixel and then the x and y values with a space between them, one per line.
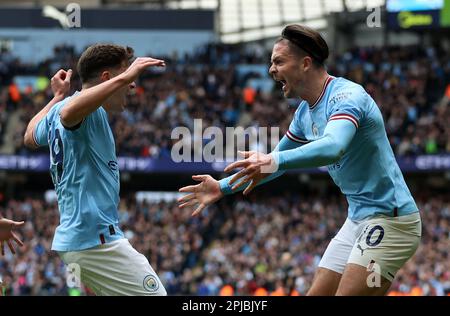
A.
pixel 255 167
pixel 138 66
pixel 60 83
pixel 7 235
pixel 204 194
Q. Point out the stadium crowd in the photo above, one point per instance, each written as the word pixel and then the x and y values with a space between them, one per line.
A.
pixel 254 246
pixel 410 84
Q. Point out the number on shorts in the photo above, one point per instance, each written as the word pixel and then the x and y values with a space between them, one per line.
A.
pixel 371 232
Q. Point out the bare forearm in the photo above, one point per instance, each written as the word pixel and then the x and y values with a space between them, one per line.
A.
pixel 89 100
pixel 28 137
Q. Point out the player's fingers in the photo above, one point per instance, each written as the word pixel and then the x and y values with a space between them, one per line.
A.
pixel 17 224
pixel 246 154
pixel 186 198
pixel 238 175
pixel 200 177
pixel 189 188
pixel 199 209
pixel 158 60
pixel 244 181
pixel 11 247
pixel 150 63
pixel 60 74
pixel 161 63
pixel 189 203
pixel 68 75
pixel 146 59
pixel 153 62
pixel 251 186
pixel 253 176
pixel 17 240
pixel 237 164
pixel 144 62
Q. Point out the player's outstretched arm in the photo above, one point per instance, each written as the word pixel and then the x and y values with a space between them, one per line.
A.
pixel 60 84
pixel 327 150
pixel 90 99
pixel 210 190
pixel 7 234
pixel 235 183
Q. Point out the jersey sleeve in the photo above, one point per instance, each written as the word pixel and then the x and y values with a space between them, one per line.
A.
pixel 295 133
pixel 40 133
pixel 324 151
pixel 94 121
pixel 347 105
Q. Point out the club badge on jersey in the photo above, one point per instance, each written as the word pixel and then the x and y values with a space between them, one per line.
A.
pixel 315 130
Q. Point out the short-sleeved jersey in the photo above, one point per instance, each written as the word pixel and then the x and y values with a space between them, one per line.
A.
pixel 85 173
pixel 367 173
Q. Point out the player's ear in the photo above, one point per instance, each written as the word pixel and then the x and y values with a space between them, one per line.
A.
pixel 307 63
pixel 106 75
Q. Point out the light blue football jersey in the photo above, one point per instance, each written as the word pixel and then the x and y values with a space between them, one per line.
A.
pixel 368 173
pixel 85 172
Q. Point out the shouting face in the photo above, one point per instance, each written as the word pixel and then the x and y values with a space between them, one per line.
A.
pixel 289 68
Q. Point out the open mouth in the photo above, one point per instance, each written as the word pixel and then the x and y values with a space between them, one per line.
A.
pixel 283 83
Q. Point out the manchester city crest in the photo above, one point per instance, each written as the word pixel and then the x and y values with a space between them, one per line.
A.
pixel 315 130
pixel 151 283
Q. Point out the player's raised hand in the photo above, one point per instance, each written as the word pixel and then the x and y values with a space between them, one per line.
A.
pixel 7 235
pixel 60 83
pixel 203 194
pixel 139 65
pixel 255 167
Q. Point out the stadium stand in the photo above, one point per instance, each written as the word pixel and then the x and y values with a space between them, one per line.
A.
pixel 241 246
pixel 407 82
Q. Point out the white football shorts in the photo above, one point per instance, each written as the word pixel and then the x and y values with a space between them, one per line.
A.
pixel 113 269
pixel 381 241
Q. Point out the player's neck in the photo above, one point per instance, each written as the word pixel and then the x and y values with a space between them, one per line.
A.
pixel 87 85
pixel 90 84
pixel 314 87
